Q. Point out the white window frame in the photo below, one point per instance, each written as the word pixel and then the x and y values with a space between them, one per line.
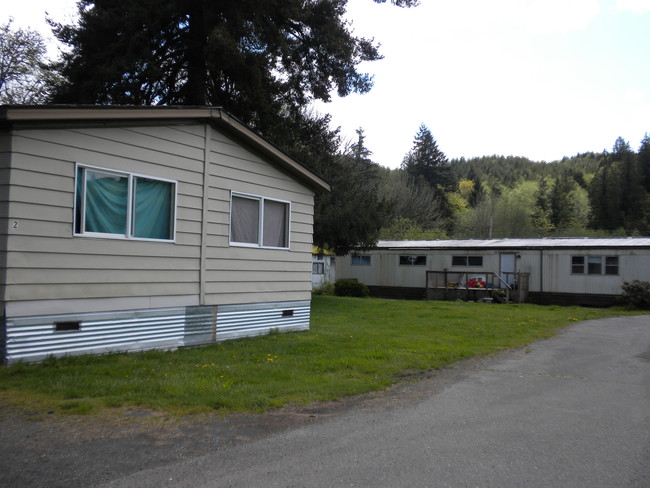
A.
pixel 130 204
pixel 413 263
pixel 260 223
pixel 467 256
pixel 604 267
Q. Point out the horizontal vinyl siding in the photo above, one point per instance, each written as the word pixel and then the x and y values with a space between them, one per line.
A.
pixel 236 274
pixel 45 261
pixel 247 172
pixel 5 161
pixel 254 296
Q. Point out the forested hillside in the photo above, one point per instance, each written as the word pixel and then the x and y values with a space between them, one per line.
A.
pixel 589 194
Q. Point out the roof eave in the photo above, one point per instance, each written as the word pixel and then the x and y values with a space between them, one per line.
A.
pixel 216 115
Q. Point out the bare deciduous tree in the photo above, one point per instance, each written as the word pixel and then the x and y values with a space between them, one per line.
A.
pixel 24 75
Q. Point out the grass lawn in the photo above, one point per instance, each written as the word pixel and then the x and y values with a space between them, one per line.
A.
pixel 354 346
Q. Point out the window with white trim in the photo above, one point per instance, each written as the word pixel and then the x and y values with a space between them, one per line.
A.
pixel 259 222
pixel 116 204
pixel 611 265
pixel 577 264
pixel 594 265
pixel 318 268
pixel 412 260
pixel 360 260
pixel 467 260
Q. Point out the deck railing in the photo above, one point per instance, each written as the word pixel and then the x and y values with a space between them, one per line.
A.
pixel 476 286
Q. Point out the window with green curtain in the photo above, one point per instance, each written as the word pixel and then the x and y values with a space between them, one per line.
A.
pixel 152 214
pixel 107 201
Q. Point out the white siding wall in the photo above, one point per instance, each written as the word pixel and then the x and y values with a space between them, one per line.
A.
pixel 385 269
pixel 49 269
pixel 555 271
pixel 557 277
pixel 365 274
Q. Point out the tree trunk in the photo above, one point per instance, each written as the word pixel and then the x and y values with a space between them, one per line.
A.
pixel 197 75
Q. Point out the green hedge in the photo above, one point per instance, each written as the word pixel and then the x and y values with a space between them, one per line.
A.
pixel 350 288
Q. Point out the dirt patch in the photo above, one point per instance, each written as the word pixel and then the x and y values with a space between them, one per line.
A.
pixel 44 450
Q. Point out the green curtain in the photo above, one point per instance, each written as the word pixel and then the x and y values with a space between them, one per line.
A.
pixel 106 203
pixel 153 209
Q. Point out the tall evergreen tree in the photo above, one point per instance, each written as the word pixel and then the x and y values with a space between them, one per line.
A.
pixel 644 161
pixel 561 204
pixel 427 161
pixel 478 192
pixel 351 216
pixel 262 60
pixel 259 59
pixel 633 198
pixel 541 215
pixel 616 194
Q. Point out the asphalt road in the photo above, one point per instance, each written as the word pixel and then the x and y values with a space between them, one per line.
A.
pixel 572 411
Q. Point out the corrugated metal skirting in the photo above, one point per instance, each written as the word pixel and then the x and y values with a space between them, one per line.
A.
pixel 36 338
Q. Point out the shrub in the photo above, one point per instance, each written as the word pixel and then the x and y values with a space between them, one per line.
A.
pixel 636 294
pixel 350 288
pixel 326 288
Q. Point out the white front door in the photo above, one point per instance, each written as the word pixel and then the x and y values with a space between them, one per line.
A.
pixel 508 268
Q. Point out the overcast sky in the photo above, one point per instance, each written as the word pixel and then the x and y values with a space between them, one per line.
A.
pixel 537 78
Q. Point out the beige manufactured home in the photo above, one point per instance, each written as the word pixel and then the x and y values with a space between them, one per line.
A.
pixel 560 271
pixel 130 228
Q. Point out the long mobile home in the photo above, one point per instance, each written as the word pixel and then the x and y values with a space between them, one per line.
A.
pixel 561 271
pixel 129 228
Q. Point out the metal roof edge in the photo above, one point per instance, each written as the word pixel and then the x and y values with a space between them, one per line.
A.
pixel 540 243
